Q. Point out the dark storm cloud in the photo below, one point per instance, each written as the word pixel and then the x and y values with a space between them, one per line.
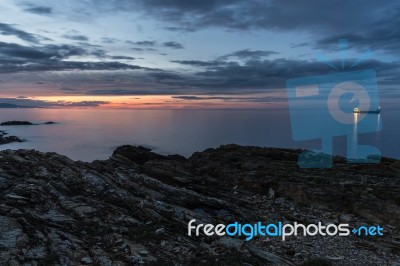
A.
pixel 174 45
pixel 214 77
pixel 366 24
pixel 275 14
pixel 109 40
pixel 40 10
pixel 253 76
pixel 369 24
pixel 269 74
pixel 80 104
pixel 6 29
pixel 245 55
pixel 121 57
pixel 15 57
pixel 134 91
pixel 200 98
pixel 71 65
pixel 81 38
pixel 229 98
pixel 144 43
pixel 114 91
pixel 382 32
pixel 54 65
pixel 26 102
pixel 248 54
pixel 50 51
pixel 383 38
pixel 144 49
pixel 261 75
pixel 199 63
pixel 12 51
pixel 169 78
pixel 190 98
pixel 230 78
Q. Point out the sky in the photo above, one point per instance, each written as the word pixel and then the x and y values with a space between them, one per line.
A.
pixel 187 54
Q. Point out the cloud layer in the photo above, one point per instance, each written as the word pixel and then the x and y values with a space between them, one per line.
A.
pixel 188 49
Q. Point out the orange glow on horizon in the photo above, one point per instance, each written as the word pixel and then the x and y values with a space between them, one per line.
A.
pixel 155 102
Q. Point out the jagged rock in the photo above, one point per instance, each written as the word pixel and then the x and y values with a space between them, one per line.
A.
pixel 11 233
pixel 138 154
pixel 134 208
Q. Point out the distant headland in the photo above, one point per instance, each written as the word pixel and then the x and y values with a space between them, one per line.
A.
pixel 10 105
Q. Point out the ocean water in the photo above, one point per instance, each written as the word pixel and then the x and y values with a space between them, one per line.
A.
pixel 90 134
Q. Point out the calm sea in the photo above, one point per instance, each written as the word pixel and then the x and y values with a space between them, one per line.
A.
pixel 89 134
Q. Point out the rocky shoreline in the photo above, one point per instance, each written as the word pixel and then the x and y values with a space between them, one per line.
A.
pixel 5 138
pixel 134 208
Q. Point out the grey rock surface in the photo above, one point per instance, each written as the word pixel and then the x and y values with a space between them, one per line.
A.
pixel 133 209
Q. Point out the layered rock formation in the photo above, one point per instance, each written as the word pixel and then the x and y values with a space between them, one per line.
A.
pixel 134 208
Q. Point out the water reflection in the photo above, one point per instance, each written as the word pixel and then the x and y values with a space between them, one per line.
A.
pixel 86 135
pixel 352 140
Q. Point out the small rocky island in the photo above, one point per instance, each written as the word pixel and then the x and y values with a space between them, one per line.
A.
pixel 5 138
pixel 22 123
pixel 16 123
pixel 134 208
